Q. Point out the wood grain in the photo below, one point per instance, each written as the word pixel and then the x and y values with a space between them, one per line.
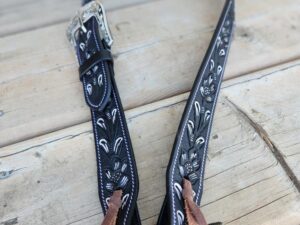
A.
pixel 273 105
pixel 252 174
pixel 54 176
pixel 23 15
pixel 158 49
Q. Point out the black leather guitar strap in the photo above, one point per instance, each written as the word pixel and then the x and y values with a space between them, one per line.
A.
pixel 89 34
pixel 190 148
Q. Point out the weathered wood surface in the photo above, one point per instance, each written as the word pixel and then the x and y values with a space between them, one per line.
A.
pixel 252 174
pixel 24 15
pixel 158 49
pixel 273 105
pixel 54 181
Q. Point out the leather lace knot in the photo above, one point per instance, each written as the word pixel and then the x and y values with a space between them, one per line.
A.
pixel 114 205
pixel 193 212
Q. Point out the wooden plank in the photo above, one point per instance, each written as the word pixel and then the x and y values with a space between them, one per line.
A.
pixel 54 181
pixel 155 57
pixel 273 104
pixel 23 15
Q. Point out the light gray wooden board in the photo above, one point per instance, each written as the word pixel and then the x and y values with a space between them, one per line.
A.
pixel 55 182
pixel 271 100
pixel 158 50
pixel 22 15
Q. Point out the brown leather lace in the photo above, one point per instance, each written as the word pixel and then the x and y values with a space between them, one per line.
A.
pixel 114 205
pixel 193 212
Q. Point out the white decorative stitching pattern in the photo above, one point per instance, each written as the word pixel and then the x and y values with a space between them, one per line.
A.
pixel 101 123
pixel 97 140
pixel 124 200
pixel 129 159
pixel 89 89
pixel 104 73
pixel 96 133
pixel 210 124
pixel 117 144
pixel 103 144
pixel 178 190
pixel 180 217
pixel 185 123
pixel 99 161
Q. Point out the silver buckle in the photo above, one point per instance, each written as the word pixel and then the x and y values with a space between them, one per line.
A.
pixel 92 9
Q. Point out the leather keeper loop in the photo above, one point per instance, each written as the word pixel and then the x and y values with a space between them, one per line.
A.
pixel 103 55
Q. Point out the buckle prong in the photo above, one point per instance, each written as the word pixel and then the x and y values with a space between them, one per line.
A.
pixel 83 28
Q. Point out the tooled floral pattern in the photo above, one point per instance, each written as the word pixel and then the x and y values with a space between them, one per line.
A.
pixel 111 143
pixel 116 174
pixel 197 127
pixel 209 86
pixel 115 168
pixel 190 158
pixel 95 80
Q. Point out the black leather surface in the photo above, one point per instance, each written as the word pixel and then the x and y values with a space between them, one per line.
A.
pixel 115 159
pixel 101 56
pixel 190 147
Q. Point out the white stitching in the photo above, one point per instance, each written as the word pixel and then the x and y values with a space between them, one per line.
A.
pixel 105 82
pixel 210 125
pixel 129 159
pixel 99 161
pixel 97 138
pixel 128 154
pixel 182 131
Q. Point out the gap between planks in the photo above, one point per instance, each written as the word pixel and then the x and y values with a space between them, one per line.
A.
pixel 69 15
pixel 181 98
pixel 228 82
pixel 142 111
pixel 154 75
